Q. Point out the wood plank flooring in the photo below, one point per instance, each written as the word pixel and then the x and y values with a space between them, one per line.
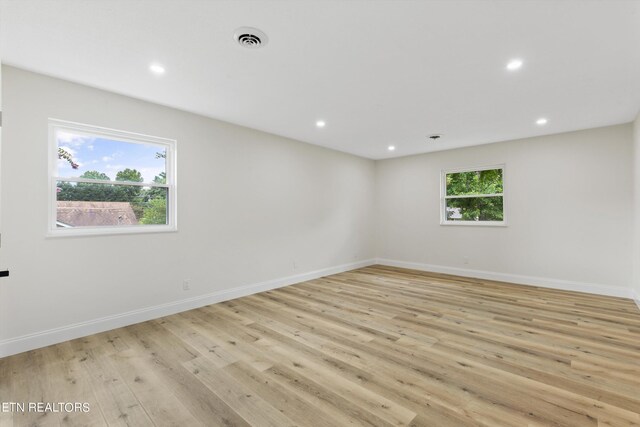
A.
pixel 378 346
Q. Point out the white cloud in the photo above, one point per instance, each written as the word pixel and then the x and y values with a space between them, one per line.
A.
pixel 114 167
pixel 113 156
pixel 149 173
pixel 67 139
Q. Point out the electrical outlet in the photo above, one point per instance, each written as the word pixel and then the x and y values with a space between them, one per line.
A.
pixel 294 265
pixel 465 260
pixel 186 285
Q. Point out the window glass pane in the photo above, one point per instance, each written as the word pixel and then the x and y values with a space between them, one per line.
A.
pixel 94 205
pixel 475 182
pixel 475 209
pixel 97 157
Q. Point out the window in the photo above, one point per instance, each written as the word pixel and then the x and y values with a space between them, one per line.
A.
pixel 104 181
pixel 473 196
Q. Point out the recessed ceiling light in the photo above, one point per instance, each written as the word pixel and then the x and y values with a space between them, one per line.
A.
pixel 391 148
pixel 320 123
pixel 156 68
pixel 514 64
pixel 541 121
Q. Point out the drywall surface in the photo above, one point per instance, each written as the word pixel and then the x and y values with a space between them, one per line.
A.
pixel 568 209
pixel 636 211
pixel 253 208
pixel 258 211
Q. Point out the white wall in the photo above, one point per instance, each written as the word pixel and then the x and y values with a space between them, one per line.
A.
pixel 636 212
pixel 568 201
pixel 251 205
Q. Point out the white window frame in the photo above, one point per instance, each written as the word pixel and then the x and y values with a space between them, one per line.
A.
pixel 130 137
pixel 444 197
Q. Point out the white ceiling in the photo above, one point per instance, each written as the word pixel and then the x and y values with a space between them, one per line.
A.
pixel 378 72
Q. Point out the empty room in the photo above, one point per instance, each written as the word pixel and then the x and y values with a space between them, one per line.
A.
pixel 320 213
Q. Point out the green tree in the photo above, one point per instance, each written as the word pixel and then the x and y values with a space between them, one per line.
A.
pixel 155 192
pixel 89 192
pixel 95 175
pixel 131 175
pixel 149 205
pixel 131 193
pixel 66 191
pixel 476 183
pixel 155 212
pixel 160 179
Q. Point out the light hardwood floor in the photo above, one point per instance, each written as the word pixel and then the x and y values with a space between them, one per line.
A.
pixel 377 346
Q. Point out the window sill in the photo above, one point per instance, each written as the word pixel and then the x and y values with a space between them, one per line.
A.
pixel 475 223
pixel 110 231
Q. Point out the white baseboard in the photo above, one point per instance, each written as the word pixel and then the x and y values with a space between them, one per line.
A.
pixel 543 282
pixel 94 326
pixel 636 297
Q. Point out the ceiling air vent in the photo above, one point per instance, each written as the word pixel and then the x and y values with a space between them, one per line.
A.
pixel 251 38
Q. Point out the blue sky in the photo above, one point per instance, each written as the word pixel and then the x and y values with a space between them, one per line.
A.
pixel 108 156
